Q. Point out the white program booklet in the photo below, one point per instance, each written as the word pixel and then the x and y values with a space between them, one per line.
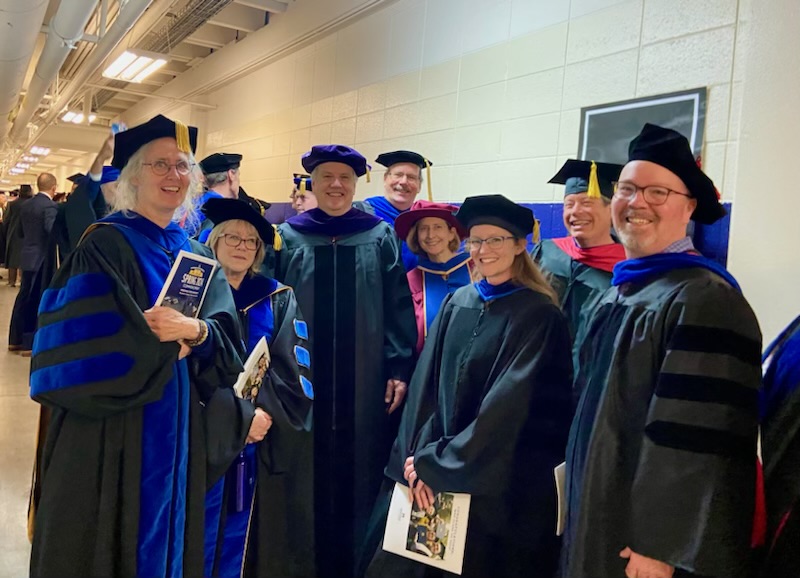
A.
pixel 187 283
pixel 560 473
pixel 255 371
pixel 436 536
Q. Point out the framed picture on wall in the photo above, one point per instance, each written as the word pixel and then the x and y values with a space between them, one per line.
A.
pixel 607 129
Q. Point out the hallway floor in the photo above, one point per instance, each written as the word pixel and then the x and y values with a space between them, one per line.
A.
pixel 18 420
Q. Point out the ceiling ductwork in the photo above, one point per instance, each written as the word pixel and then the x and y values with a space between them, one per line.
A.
pixel 65 30
pixel 131 11
pixel 185 23
pixel 21 21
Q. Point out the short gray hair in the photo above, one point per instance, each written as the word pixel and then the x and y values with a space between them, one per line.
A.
pixel 216 178
pixel 127 194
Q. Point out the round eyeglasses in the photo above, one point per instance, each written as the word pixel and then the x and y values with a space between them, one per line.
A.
pixel 653 194
pixel 161 168
pixel 251 244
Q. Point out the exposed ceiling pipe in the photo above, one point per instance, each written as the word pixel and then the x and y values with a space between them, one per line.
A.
pixel 127 17
pixel 20 22
pixel 65 30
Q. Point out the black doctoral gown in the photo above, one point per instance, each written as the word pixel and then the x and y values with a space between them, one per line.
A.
pixel 488 415
pixel 135 434
pixel 662 451
pixel 353 292
pixel 270 522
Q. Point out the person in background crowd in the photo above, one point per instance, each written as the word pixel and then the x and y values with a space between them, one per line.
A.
pixel 37 262
pixel 140 394
pixel 221 172
pixel 262 524
pixel 780 450
pixel 88 202
pixel 75 180
pixel 302 196
pixel 661 463
pixel 579 266
pixel 13 230
pixel 401 185
pixel 3 207
pixel 433 233
pixel 490 404
pixel 345 268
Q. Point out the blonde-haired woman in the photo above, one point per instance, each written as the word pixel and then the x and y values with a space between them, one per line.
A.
pixel 432 232
pixel 490 405
pixel 259 516
pixel 133 389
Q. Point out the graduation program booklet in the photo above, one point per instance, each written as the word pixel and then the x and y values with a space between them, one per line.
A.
pixel 187 283
pixel 435 536
pixel 255 371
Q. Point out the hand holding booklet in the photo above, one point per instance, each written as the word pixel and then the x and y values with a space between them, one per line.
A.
pixel 187 283
pixel 255 372
pixel 435 536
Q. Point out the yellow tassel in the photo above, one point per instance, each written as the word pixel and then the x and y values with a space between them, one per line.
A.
pixel 303 185
pixel 368 179
pixel 278 241
pixel 182 136
pixel 428 176
pixel 537 231
pixel 594 186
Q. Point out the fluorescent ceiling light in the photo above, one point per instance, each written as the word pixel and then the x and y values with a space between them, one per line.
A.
pixel 78 118
pixel 134 65
pixel 40 151
pixel 30 159
pixel 23 166
pixel 92 117
pixel 69 116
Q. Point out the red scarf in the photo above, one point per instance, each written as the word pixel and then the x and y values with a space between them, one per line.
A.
pixel 602 257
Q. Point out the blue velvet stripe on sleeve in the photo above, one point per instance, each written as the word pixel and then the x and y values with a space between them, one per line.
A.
pixel 302 356
pixel 84 286
pixel 77 330
pixel 97 368
pixel 301 329
pixel 308 389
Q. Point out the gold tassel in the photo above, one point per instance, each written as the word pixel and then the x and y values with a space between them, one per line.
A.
pixel 594 186
pixel 182 136
pixel 537 231
pixel 278 241
pixel 303 185
pixel 368 179
pixel 428 176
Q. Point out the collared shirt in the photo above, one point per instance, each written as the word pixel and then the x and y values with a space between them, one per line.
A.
pixel 683 246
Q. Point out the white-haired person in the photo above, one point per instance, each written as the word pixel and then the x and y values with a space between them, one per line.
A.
pixel 140 417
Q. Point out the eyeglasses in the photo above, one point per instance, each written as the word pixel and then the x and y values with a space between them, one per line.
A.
pixel 251 244
pixel 408 177
pixel 653 195
pixel 492 242
pixel 161 168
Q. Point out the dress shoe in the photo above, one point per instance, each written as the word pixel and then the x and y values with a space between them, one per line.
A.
pixel 26 353
pixel 15 348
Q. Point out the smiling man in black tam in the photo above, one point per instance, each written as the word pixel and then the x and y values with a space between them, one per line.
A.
pixel 347 273
pixel 661 463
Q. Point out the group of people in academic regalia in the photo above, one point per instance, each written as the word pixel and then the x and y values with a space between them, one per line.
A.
pixel 410 342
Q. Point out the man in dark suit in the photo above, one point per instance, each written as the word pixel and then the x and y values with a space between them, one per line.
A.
pixel 37 263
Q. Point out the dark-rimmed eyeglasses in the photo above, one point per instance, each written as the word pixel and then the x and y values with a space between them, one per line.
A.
pixel 251 243
pixel 161 168
pixel 653 194
pixel 492 242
